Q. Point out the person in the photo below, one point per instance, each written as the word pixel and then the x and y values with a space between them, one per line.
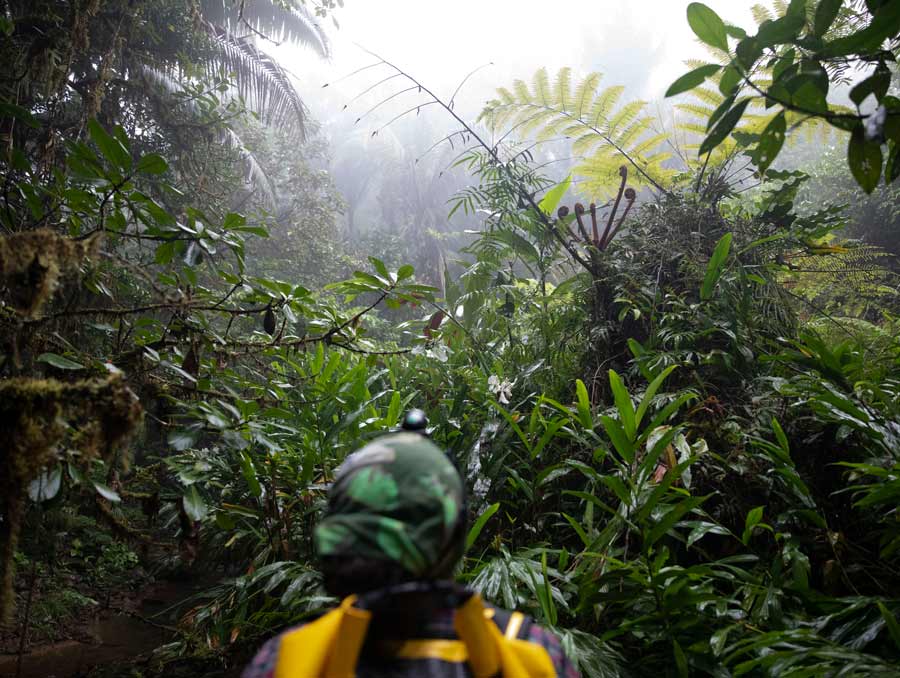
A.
pixel 393 531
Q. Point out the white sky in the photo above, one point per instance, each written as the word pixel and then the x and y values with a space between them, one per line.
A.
pixel 638 43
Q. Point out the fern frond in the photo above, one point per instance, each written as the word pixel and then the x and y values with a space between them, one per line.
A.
pixel 562 89
pixel 604 104
pixel 761 13
pixel 584 93
pixel 625 116
pixel 541 86
pixel 603 132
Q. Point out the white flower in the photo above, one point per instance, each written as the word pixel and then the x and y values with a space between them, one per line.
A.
pixel 501 389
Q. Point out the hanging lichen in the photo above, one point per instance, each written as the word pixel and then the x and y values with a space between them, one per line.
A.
pixel 36 415
pixel 31 264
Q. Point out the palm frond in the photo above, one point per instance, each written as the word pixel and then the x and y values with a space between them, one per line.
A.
pixel 260 80
pixel 280 21
pixel 255 175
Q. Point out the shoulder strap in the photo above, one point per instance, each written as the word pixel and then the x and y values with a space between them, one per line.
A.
pixel 511 624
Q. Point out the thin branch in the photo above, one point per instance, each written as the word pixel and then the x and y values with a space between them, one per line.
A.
pixel 524 194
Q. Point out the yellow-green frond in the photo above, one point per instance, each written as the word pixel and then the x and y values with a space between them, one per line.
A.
pixel 562 89
pixel 584 93
pixel 625 116
pixel 541 87
pixel 761 13
pixel 603 104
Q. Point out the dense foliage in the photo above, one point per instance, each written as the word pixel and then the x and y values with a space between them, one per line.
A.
pixel 677 411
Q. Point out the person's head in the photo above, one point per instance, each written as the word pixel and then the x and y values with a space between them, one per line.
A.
pixel 395 514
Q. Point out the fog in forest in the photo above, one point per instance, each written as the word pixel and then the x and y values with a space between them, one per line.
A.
pixel 369 337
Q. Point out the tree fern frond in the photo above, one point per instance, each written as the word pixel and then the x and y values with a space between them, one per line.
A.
pixel 562 89
pixel 625 116
pixel 585 143
pixel 584 93
pixel 696 110
pixel 646 146
pixel 632 134
pixel 523 95
pixel 587 112
pixel 541 87
pixel 604 103
pixel 708 96
pixel 761 13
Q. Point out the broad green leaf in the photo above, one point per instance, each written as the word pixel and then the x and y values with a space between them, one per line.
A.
pixel 194 505
pixel 877 84
pixel 249 472
pixel 891 622
pixel 59 362
pixel 579 530
pixel 663 415
pixel 405 272
pixel 623 404
pixel 781 30
pixel 478 525
pixel 380 268
pixel 715 266
pixel 551 199
pixel 667 522
pixel 648 395
pixel 111 148
pixel 754 517
pixel 152 163
pixel 780 436
pixel 620 441
pixel 826 12
pixel 721 109
pixel 690 80
pixel 783 64
pixel 731 78
pixel 393 413
pixel 548 591
pixel 9 110
pixel 892 171
pixel 770 143
pixel 864 158
pixel 723 127
pixel 584 405
pixel 707 25
pixel 680 659
pixel 617 485
pixel 747 52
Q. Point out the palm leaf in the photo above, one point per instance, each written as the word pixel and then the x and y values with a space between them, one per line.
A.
pixel 259 79
pixel 254 173
pixel 280 21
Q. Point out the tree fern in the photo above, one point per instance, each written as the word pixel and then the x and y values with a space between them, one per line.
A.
pixel 705 99
pixel 604 134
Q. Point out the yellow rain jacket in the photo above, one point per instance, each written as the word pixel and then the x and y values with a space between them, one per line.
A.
pixel 330 646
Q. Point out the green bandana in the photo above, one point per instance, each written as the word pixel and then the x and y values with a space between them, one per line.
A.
pixel 399 498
